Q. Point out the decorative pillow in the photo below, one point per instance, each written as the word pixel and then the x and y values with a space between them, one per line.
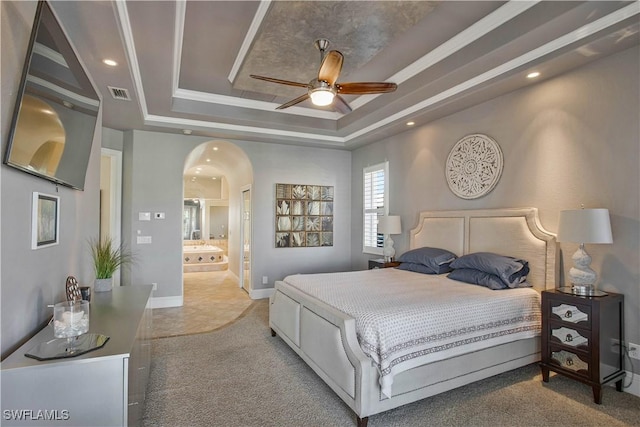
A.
pixel 477 277
pixel 418 268
pixel 511 271
pixel 436 259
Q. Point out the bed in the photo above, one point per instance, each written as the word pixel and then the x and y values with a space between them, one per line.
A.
pixel 326 337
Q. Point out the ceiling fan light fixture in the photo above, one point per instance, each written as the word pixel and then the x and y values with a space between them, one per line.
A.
pixel 321 97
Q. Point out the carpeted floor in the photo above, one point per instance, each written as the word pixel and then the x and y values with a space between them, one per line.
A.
pixel 241 376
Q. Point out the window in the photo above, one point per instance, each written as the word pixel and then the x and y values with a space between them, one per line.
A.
pixel 375 190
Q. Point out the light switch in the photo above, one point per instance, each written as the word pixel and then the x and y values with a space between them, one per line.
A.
pixel 144 216
pixel 144 240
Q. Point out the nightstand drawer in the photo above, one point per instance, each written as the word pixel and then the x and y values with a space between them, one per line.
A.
pixel 569 361
pixel 571 313
pixel 561 334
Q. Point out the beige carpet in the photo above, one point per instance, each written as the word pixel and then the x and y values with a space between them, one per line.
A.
pixel 211 300
pixel 241 376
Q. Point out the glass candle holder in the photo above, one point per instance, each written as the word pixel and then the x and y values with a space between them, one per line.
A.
pixel 70 319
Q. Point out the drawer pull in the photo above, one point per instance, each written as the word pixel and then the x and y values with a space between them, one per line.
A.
pixel 568 338
pixel 568 314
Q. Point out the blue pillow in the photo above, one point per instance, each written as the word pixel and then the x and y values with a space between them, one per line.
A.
pixel 418 268
pixel 436 259
pixel 511 271
pixel 477 277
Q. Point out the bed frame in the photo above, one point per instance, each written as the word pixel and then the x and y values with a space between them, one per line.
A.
pixel 325 338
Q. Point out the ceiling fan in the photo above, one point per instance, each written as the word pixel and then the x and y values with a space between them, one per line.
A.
pixel 324 90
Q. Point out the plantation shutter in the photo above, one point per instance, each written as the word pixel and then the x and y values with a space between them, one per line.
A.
pixel 375 195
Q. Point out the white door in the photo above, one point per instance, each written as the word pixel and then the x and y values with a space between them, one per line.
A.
pixel 245 247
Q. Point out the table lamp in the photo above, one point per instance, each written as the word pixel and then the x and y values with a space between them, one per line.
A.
pixel 388 225
pixel 584 226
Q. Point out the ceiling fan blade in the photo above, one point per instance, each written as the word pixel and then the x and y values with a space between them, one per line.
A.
pixel 282 82
pixel 293 102
pixel 331 67
pixel 362 88
pixel 340 105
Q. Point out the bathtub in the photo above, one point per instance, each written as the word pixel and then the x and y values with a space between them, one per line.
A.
pixel 203 258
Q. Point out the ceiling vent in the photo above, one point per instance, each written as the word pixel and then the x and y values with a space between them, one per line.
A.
pixel 119 93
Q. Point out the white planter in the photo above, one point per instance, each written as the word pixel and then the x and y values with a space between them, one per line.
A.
pixel 103 285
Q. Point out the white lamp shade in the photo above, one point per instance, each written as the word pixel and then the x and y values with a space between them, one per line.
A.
pixel 585 226
pixel 389 224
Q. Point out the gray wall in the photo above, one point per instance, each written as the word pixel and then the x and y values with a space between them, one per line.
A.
pixel 153 165
pixel 32 279
pixel 286 164
pixel 567 141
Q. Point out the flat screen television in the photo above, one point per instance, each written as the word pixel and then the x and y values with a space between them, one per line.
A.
pixel 56 109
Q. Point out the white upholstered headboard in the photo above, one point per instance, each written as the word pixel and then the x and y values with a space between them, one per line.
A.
pixel 512 232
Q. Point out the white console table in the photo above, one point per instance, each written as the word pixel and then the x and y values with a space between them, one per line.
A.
pixel 105 387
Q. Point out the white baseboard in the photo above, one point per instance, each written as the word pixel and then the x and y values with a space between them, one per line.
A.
pixel 635 384
pixel 165 302
pixel 261 293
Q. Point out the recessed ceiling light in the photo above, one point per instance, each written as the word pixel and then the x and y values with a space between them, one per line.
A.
pixel 208 160
pixel 109 62
pixel 411 123
pixel 198 171
pixel 186 131
pixel 215 148
pixel 213 177
pixel 533 75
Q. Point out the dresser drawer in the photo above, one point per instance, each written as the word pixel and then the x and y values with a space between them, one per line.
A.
pixel 576 314
pixel 569 361
pixel 568 336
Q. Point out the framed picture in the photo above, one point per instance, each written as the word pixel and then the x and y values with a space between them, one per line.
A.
pixel 304 216
pixel 45 220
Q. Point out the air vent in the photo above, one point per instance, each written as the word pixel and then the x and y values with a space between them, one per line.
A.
pixel 119 93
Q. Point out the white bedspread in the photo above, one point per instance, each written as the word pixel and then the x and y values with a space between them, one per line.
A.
pixel 406 319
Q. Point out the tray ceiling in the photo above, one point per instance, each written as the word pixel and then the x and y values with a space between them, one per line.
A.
pixel 187 64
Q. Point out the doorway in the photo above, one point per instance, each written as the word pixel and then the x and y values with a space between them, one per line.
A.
pixel 245 248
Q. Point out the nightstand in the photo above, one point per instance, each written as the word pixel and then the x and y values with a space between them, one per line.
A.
pixel 379 263
pixel 581 339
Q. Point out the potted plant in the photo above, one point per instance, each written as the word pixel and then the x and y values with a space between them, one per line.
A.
pixel 107 258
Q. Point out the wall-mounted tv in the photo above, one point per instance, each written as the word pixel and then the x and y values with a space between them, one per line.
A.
pixel 56 109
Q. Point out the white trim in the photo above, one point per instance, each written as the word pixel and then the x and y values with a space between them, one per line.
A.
pixel 127 35
pixel 212 98
pixel 263 7
pixel 241 283
pixel 115 200
pixel 261 293
pixel 178 36
pixel 163 121
pixel 165 302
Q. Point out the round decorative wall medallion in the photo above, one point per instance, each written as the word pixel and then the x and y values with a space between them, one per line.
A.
pixel 474 166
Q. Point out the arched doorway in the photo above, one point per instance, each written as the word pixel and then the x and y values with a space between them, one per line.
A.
pixel 216 176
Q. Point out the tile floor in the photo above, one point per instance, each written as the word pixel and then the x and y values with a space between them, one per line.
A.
pixel 211 300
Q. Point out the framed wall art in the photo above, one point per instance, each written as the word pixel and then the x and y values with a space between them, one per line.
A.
pixel 304 216
pixel 45 220
pixel 474 166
